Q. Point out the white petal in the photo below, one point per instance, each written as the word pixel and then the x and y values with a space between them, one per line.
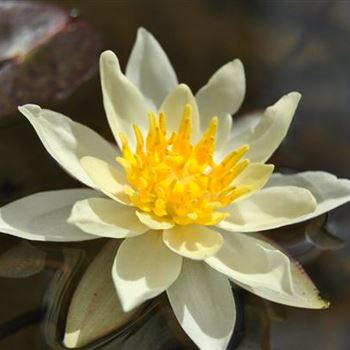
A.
pixel 152 223
pixel 264 270
pixel 329 191
pixel 194 242
pixel 144 268
pixel 123 102
pixel 245 125
pixel 106 218
pixel 150 69
pixel 253 262
pixel 222 96
pixel 68 141
pixel 42 216
pixel 269 208
pixel 265 136
pixel 107 178
pixel 173 107
pixel 203 304
pixel 255 175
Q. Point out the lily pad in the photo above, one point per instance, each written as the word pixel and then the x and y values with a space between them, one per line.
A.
pixel 45 53
pixel 95 310
pixel 22 260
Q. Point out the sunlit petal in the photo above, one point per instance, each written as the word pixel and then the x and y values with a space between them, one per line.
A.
pixel 150 70
pixel 123 102
pixel 192 241
pixel 144 267
pixel 269 208
pixel 329 191
pixel 106 178
pixel 43 216
pixel 106 218
pixel 203 304
pixel 68 141
pixel 265 136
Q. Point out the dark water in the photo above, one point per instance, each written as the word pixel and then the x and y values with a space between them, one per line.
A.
pixel 285 46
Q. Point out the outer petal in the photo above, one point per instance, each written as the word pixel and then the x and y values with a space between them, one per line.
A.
pixel 194 242
pixel 264 270
pixel 329 191
pixel 144 268
pixel 68 141
pixel 265 136
pixel 106 178
pixel 203 303
pixel 173 107
pixel 150 69
pixel 269 208
pixel 42 216
pixel 222 96
pixel 124 104
pixel 106 218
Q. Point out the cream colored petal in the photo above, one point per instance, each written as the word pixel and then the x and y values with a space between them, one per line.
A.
pixel 255 175
pixel 222 96
pixel 173 107
pixel 192 241
pixel 269 208
pixel 203 304
pixel 265 136
pixel 68 141
pixel 43 216
pixel 150 69
pixel 106 218
pixel 329 191
pixel 123 102
pixel 153 223
pixel 95 310
pixel 106 178
pixel 263 269
pixel 245 125
pixel 253 262
pixel 144 268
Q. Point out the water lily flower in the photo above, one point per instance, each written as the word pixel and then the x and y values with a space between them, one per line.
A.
pixel 186 193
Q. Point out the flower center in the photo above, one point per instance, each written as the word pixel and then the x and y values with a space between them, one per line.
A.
pixel 174 180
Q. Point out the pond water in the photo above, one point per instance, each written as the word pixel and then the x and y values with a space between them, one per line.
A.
pixel 284 46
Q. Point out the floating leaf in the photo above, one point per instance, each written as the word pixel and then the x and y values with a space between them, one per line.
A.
pixel 21 260
pixel 95 310
pixel 45 53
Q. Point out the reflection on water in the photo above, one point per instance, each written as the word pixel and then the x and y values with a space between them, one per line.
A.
pixel 285 45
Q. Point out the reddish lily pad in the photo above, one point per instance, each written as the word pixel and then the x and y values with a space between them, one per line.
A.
pixel 45 53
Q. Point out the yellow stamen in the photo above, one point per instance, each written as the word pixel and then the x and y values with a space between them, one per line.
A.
pixel 173 179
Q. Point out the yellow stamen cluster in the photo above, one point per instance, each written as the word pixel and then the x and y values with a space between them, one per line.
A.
pixel 175 181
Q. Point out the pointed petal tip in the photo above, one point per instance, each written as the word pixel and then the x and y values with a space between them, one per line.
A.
pixel 143 31
pixel 29 107
pixel 184 87
pixel 108 57
pixel 239 64
pixel 295 96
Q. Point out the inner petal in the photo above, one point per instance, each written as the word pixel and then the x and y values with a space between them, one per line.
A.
pixel 177 181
